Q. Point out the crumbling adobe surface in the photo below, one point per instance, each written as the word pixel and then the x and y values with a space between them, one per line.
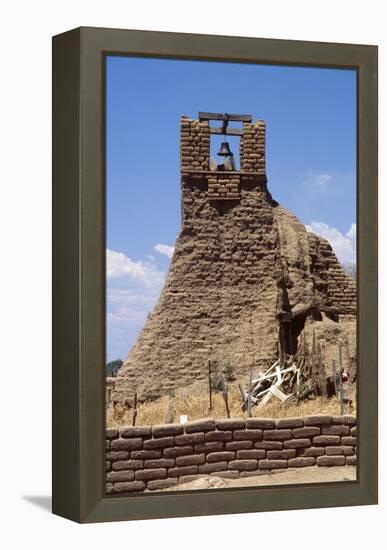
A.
pixel 240 268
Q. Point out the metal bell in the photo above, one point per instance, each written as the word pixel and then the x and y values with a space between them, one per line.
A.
pixel 224 150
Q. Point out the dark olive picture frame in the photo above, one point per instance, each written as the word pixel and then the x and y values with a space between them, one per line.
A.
pixel 79 273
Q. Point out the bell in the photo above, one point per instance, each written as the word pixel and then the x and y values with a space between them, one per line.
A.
pixel 224 150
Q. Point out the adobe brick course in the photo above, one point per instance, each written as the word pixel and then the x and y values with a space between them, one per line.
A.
pixel 134 431
pixel 173 452
pixel 251 435
pixel 158 443
pixel 290 423
pixel 218 436
pixel 326 440
pixel 261 423
pixel 277 435
pixel 168 429
pixel 330 460
pixel 309 431
pixel 179 458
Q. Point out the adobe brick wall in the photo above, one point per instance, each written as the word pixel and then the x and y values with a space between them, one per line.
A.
pixel 158 457
pixel 332 282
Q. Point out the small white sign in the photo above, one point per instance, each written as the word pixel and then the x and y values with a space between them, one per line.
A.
pixel 183 418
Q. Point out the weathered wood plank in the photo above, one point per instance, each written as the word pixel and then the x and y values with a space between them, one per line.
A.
pixel 225 116
pixel 228 131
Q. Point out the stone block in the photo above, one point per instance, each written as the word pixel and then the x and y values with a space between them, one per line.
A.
pixel 334 450
pixel 128 465
pixel 348 420
pixel 210 447
pixel 133 487
pixel 301 462
pixel 326 440
pixel 190 460
pixel 350 460
pixel 243 464
pixel 173 452
pixel 354 431
pixel 330 460
pixel 291 422
pixel 218 436
pixel 159 463
pixel 135 431
pixel 251 435
pixel 145 475
pixel 160 443
pixel 220 456
pixel 297 443
pixel 269 445
pixel 113 477
pixel 182 471
pixel 141 455
pixel 277 435
pixel 213 467
pixel 206 425
pixel 117 455
pixel 349 440
pixel 272 464
pixel 309 431
pixel 318 420
pixel 190 439
pixel 230 424
pixel 255 454
pixel 167 429
pixel 335 430
pixel 314 451
pixel 238 445
pixel 281 455
pixel 109 488
pixel 132 444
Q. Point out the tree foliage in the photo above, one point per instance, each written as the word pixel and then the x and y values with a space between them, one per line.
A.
pixel 113 367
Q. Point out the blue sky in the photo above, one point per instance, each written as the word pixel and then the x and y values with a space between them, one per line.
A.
pixel 310 118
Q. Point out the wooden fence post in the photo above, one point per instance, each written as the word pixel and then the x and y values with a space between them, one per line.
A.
pixel 249 395
pixel 334 376
pixel 209 383
pixel 341 376
pixel 225 395
pixel 134 410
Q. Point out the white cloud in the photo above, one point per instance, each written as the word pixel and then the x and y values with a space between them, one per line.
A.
pixel 132 290
pixel 319 180
pixel 164 249
pixel 344 245
pixel 120 266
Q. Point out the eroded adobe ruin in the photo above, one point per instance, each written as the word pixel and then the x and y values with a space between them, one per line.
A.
pixel 246 278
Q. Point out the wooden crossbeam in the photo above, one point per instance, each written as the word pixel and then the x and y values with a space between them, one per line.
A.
pixel 228 131
pixel 232 117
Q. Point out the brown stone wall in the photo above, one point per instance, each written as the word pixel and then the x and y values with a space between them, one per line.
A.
pixel 336 287
pixel 194 144
pixel 252 147
pixel 223 186
pixel 158 457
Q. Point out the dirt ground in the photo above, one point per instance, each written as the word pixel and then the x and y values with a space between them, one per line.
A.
pixel 313 474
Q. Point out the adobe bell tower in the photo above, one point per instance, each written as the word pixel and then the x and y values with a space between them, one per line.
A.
pixel 245 274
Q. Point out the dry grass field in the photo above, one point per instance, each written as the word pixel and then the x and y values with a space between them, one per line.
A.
pixel 194 403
